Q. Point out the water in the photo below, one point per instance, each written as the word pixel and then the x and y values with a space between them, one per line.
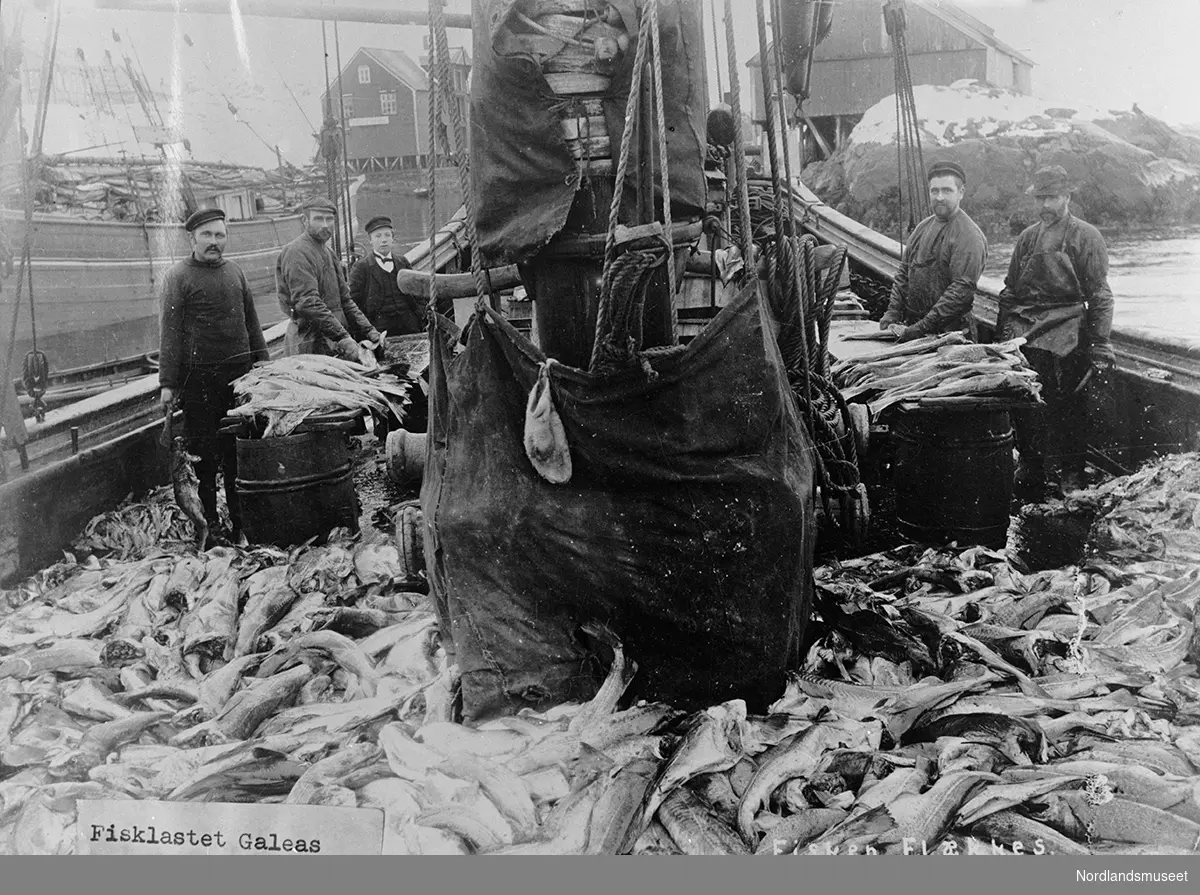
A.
pixel 1155 279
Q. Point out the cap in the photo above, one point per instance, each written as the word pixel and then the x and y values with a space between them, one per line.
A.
pixel 378 223
pixel 942 168
pixel 1051 181
pixel 318 203
pixel 203 216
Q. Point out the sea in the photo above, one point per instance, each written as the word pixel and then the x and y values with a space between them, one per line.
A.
pixel 1154 275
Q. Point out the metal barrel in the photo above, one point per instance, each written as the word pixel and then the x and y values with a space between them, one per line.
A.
pixel 295 487
pixel 953 474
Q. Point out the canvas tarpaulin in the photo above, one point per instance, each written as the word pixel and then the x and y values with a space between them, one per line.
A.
pixel 687 525
pixel 522 172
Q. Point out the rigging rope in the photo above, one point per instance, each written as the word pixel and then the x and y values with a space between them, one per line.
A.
pixel 345 178
pixel 910 159
pixel 739 146
pixel 663 163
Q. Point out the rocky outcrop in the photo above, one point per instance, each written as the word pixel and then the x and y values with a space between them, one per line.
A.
pixel 1129 168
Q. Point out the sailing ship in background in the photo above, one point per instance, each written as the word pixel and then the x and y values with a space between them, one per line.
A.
pixel 95 205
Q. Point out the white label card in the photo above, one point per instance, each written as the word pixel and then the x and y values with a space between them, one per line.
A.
pixel 145 827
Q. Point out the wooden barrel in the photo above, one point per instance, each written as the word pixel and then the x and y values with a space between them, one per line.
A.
pixel 953 474
pixel 295 487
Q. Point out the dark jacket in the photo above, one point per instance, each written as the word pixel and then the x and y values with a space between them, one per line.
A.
pixel 375 291
pixel 950 256
pixel 1089 256
pixel 312 291
pixel 208 320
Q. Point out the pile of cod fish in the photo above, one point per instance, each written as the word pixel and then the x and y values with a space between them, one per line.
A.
pixel 952 704
pixel 939 368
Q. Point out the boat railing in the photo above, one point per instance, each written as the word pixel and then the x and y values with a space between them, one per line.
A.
pixel 1148 357
pixel 94 419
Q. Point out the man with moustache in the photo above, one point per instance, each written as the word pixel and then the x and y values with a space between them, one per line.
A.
pixel 1056 295
pixel 209 336
pixel 312 291
pixel 935 288
pixel 373 285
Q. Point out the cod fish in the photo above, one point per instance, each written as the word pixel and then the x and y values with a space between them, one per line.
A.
pixel 187 489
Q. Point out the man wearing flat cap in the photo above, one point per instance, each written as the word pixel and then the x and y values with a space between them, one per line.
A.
pixel 209 336
pixel 373 285
pixel 935 288
pixel 1056 296
pixel 312 291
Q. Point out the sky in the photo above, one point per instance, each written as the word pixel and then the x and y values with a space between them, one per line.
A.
pixel 1106 53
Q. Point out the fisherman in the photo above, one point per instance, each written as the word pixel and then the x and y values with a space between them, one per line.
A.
pixel 210 335
pixel 312 291
pixel 373 284
pixel 1056 296
pixel 935 288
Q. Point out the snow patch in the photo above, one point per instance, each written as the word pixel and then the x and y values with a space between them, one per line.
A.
pixel 968 109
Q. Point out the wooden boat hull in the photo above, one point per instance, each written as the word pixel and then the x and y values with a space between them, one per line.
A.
pixel 44 508
pixel 96 284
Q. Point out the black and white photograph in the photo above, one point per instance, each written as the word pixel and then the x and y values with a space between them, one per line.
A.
pixel 603 427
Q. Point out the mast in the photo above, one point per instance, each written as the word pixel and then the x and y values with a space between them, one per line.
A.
pixel 274 9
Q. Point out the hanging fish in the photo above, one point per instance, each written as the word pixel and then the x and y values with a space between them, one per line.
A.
pixel 187 489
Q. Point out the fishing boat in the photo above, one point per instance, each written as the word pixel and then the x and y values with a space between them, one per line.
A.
pixel 97 284
pixel 561 257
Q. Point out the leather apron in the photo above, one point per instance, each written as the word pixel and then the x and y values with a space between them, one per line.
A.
pixel 1047 306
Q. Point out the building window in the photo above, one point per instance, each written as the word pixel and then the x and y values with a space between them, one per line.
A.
pixel 347 106
pixel 387 102
pixel 364 74
pixel 458 79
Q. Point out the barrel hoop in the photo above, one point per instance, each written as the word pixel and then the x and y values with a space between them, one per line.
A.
pixel 295 484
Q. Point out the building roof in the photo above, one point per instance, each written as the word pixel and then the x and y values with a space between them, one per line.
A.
pixel 956 18
pixel 967 23
pixel 397 62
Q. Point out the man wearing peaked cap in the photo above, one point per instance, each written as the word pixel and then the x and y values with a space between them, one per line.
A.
pixel 203 216
pixel 1056 295
pixel 934 289
pixel 374 289
pixel 209 336
pixel 313 292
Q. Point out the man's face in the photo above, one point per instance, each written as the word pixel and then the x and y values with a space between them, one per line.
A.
pixel 208 241
pixel 381 240
pixel 319 224
pixel 1052 209
pixel 945 195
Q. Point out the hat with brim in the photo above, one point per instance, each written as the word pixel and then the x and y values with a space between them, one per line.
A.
pixel 203 216
pixel 1051 181
pixel 945 169
pixel 378 223
pixel 318 203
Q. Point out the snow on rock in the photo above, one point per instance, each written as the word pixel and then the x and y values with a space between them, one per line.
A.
pixel 1129 167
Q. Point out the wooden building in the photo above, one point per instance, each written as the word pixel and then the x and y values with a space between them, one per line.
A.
pixel 385 107
pixel 853 68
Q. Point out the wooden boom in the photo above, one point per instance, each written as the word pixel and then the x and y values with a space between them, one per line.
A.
pixel 273 9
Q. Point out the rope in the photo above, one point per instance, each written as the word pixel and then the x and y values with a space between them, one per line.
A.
pixel 777 42
pixel 619 323
pixel 437 18
pixel 739 147
pixel 631 111
pixel 712 14
pixel 663 164
pixel 434 117
pixel 345 178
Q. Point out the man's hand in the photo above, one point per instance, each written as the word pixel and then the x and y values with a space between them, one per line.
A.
pixel 904 333
pixel 886 322
pixel 166 399
pixel 348 349
pixel 1102 358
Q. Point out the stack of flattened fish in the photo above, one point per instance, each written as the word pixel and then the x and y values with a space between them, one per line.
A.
pixel 952 705
pixel 936 367
pixel 287 391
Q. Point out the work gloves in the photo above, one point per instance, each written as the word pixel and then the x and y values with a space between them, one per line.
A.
pixel 1102 357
